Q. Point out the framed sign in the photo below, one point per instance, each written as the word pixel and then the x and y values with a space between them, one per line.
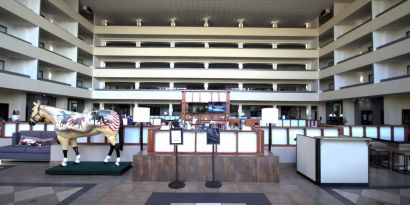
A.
pixel 212 136
pixel 176 136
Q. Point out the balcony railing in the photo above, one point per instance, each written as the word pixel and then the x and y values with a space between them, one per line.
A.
pixel 11 35
pixel 56 53
pixel 354 28
pixel 53 81
pixel 391 7
pixel 355 56
pixel 395 41
pixel 355 85
pixel 14 73
pixel 395 78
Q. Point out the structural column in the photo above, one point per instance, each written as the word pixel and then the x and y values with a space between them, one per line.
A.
pixel 170 109
pixel 309 112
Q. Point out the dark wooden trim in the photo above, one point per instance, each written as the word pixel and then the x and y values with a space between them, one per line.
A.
pixel 318 161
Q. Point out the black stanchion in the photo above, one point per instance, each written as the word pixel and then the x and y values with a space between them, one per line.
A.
pixel 213 183
pixel 141 137
pixel 270 137
pixel 176 184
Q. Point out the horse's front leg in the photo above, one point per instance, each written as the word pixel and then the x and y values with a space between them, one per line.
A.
pixel 73 143
pixel 64 144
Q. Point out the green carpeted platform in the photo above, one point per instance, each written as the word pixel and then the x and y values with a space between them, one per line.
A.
pixel 89 168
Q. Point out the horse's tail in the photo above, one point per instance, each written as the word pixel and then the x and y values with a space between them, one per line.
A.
pixel 121 134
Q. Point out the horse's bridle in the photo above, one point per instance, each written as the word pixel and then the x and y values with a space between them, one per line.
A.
pixel 32 121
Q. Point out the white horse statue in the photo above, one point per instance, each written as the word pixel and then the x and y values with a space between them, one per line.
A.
pixel 71 125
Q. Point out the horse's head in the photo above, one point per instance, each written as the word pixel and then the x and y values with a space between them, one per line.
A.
pixel 36 114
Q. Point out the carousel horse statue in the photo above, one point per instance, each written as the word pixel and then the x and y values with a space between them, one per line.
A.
pixel 71 125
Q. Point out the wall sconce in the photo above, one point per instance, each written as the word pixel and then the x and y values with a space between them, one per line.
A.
pixel 206 21
pixel 139 22
pixel 240 22
pixel 274 23
pixel 173 19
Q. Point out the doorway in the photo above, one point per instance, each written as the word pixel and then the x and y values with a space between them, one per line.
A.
pixel 405 117
pixel 4 111
pixel 366 117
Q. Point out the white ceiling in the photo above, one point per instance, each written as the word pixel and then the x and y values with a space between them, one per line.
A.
pixel 257 13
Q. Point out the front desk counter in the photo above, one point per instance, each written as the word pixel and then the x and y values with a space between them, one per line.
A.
pixel 333 160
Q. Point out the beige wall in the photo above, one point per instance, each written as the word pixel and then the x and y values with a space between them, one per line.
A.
pixel 348 111
pixel 16 100
pixel 393 105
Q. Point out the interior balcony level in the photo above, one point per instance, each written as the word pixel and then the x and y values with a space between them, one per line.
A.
pixel 206 52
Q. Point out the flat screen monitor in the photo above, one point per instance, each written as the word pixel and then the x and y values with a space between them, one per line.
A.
pixel 216 107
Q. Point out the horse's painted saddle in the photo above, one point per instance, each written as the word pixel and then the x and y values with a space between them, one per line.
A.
pixel 85 122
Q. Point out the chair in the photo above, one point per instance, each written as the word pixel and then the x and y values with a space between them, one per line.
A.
pixel 379 157
pixel 401 168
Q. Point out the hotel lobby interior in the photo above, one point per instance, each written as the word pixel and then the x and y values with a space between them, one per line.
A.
pixel 204 102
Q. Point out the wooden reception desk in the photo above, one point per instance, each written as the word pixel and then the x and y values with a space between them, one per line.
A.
pixel 240 157
pixel 231 142
pixel 333 160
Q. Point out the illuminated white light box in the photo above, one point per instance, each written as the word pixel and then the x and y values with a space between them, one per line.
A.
pixel 141 114
pixel 270 115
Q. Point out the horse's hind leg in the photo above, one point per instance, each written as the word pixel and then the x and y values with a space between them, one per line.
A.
pixel 64 144
pixel 116 146
pixel 73 143
pixel 108 157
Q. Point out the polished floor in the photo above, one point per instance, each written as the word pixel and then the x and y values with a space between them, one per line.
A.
pixel 26 183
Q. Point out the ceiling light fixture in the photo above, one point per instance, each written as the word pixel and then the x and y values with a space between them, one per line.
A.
pixel 105 22
pixel 139 22
pixel 274 23
pixel 173 19
pixel 240 22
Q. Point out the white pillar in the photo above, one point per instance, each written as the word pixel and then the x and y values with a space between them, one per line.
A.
pixel 137 44
pixel 308 66
pixel 171 65
pixel 137 85
pixel 206 86
pixel 274 86
pixel 206 65
pixel 309 112
pixel 171 85
pixel 274 66
pixel 206 45
pixel 309 87
pixel 170 109
pixel 240 86
pixel 137 64
pixel 240 45
pixel 101 106
pixel 240 109
pixel 103 43
pixel 172 44
pixel 102 64
pixel 348 111
pixel 274 45
pixel 240 65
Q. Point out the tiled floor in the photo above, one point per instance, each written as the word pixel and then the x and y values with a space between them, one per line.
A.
pixel 25 177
